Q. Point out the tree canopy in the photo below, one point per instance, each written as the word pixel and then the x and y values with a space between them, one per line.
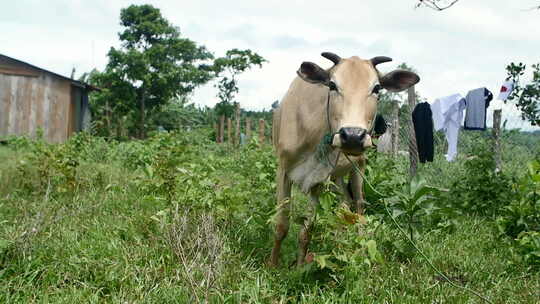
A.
pixel 440 5
pixel 154 63
pixel 228 68
pixel 155 66
pixel 526 95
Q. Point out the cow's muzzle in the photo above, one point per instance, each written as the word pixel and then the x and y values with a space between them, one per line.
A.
pixel 352 140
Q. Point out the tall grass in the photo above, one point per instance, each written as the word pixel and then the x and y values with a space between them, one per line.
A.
pixel 177 219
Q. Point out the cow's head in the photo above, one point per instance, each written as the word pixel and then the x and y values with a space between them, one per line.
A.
pixel 354 85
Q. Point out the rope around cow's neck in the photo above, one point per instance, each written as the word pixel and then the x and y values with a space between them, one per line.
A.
pixel 324 148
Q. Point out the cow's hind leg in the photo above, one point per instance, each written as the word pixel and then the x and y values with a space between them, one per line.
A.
pixel 304 236
pixel 282 216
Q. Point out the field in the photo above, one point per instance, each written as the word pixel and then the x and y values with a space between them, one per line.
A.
pixel 179 219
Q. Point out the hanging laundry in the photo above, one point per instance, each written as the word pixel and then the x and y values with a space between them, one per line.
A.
pixel 477 101
pixel 506 90
pixel 447 115
pixel 423 129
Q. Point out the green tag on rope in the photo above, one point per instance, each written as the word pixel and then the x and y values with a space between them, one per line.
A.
pixel 325 148
pixel 327 139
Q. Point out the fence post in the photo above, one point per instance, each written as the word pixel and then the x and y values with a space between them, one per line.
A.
pixel 229 130
pixel 237 129
pixel 261 131
pixel 216 127
pixel 221 128
pixel 395 127
pixel 413 148
pixel 497 139
pixel 248 128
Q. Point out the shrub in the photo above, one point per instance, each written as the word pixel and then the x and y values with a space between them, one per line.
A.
pixel 480 188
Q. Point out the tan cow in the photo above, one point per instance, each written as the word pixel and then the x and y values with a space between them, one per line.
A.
pixel 325 115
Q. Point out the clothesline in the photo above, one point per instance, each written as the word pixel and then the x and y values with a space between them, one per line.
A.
pixel 447 114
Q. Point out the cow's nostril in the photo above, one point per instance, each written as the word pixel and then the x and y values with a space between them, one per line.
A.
pixel 343 134
pixel 362 134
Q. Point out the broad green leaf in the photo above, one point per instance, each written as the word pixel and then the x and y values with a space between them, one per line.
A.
pixel 424 190
pixel 322 261
pixel 374 254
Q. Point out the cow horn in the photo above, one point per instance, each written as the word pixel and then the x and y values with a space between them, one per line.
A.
pixel 332 57
pixel 380 59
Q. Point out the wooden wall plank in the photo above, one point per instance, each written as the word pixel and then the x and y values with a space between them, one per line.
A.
pixel 12 125
pixel 47 96
pixel 71 124
pixel 54 114
pixel 39 104
pixel 18 72
pixel 26 95
pixel 5 101
pixel 33 108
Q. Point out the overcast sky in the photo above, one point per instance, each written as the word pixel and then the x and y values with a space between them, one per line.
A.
pixel 454 51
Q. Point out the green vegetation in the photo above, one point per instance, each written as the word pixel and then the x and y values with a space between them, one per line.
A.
pixel 179 219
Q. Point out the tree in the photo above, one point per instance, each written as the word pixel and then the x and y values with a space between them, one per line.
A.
pixel 440 5
pixel 229 67
pixel 112 103
pixel 527 96
pixel 154 64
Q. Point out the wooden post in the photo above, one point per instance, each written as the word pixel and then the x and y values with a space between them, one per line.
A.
pixel 216 127
pixel 221 128
pixel 142 123
pixel 413 148
pixel 248 128
pixel 229 130
pixel 108 118
pixel 497 139
pixel 261 131
pixel 237 131
pixel 395 128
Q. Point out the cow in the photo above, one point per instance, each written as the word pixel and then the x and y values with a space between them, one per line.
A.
pixel 321 126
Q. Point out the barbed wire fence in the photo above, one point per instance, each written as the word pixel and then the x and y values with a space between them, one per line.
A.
pixel 504 138
pixel 399 141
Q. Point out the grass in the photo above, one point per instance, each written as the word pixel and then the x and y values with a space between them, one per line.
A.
pixel 107 242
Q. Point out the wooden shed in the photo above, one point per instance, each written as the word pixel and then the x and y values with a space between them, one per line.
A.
pixel 32 98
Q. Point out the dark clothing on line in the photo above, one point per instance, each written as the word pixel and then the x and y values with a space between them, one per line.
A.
pixel 423 129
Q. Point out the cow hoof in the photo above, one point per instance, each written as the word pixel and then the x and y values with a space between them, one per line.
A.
pixel 272 264
pixel 309 258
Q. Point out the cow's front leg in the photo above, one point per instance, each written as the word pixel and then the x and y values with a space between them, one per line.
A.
pixel 304 236
pixel 356 182
pixel 282 216
pixel 346 190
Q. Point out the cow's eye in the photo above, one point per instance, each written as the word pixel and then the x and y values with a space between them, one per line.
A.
pixel 332 85
pixel 376 89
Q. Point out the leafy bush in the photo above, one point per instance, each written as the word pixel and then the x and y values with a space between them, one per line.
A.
pixel 415 200
pixel 480 188
pixel 523 214
pixel 527 245
pixel 520 220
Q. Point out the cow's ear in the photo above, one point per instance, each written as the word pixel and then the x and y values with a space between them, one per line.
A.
pixel 313 73
pixel 399 80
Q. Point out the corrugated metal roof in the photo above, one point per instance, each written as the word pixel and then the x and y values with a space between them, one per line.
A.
pixel 73 81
